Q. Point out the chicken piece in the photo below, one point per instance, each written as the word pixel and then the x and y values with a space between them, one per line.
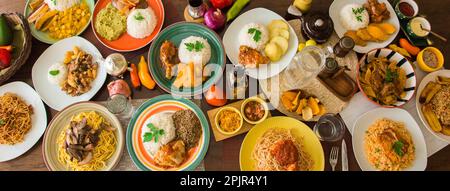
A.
pixel 171 154
pixel 251 58
pixel 168 55
pixel 286 154
pixel 377 11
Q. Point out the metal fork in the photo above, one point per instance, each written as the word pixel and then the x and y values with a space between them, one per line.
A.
pixel 334 154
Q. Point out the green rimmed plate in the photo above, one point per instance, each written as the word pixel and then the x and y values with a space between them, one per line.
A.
pixel 164 103
pixel 176 33
pixel 45 37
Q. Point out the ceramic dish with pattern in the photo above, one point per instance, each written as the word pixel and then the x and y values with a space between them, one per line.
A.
pixel 164 124
pixel 107 151
pixel 390 80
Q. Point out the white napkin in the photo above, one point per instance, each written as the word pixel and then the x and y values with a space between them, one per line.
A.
pixel 359 105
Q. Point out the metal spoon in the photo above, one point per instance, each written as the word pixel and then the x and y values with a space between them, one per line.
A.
pixel 435 34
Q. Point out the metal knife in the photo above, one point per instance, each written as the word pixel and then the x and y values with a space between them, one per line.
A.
pixel 344 156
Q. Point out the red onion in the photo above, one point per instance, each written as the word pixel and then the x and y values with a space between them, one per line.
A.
pixel 214 19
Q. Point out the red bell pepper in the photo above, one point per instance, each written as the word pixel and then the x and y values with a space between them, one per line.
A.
pixel 5 59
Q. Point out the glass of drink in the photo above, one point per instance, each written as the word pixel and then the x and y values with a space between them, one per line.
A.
pixel 330 127
pixel 120 105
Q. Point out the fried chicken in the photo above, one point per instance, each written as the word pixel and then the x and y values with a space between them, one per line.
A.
pixel 168 54
pixel 251 58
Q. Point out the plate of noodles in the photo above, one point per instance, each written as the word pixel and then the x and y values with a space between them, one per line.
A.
pixel 83 137
pixel 168 134
pixel 281 144
pixel 389 140
pixel 23 119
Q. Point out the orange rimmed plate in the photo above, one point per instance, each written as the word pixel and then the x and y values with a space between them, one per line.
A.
pixel 164 103
pixel 126 43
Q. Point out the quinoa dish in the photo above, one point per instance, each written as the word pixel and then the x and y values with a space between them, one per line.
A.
pixel 388 145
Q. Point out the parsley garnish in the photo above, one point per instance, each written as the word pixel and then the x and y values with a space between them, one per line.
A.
pixel 390 75
pixel 54 72
pixel 154 133
pixel 398 146
pixel 138 16
pixel 257 34
pixel 2 122
pixel 358 13
pixel 197 46
pixel 54 2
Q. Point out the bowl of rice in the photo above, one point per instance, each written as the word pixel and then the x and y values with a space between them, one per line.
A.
pixel 246 38
pixel 141 23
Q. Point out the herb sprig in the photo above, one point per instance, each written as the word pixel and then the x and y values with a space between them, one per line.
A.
pixel 391 75
pixel 54 72
pixel 256 34
pixel 398 148
pixel 358 13
pixel 154 133
pixel 138 16
pixel 197 46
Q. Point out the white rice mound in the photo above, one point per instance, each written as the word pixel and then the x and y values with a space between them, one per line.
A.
pixel 60 77
pixel 246 39
pixel 141 28
pixel 348 18
pixel 61 5
pixel 201 57
pixel 161 121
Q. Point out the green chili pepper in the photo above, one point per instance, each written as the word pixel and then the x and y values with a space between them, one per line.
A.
pixel 237 7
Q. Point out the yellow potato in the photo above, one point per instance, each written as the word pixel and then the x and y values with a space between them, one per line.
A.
pixel 279 32
pixel 278 23
pixel 364 35
pixel 273 51
pixel 281 42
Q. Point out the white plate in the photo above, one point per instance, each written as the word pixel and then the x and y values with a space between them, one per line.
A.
pixel 262 16
pixel 428 78
pixel 335 10
pixel 396 114
pixel 38 120
pixel 52 94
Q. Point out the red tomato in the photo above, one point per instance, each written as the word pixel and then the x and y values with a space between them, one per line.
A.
pixel 215 96
pixel 220 4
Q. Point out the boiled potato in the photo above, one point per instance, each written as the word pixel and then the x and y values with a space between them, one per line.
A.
pixel 307 113
pixel 281 42
pixel 279 32
pixel 273 51
pixel 278 23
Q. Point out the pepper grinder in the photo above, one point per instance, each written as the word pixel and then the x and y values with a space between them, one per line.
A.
pixel 195 10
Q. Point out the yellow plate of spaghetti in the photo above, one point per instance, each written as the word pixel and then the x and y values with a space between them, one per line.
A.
pixel 83 137
pixel 281 144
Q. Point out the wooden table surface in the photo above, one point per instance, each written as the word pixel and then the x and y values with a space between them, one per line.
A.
pixel 222 155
